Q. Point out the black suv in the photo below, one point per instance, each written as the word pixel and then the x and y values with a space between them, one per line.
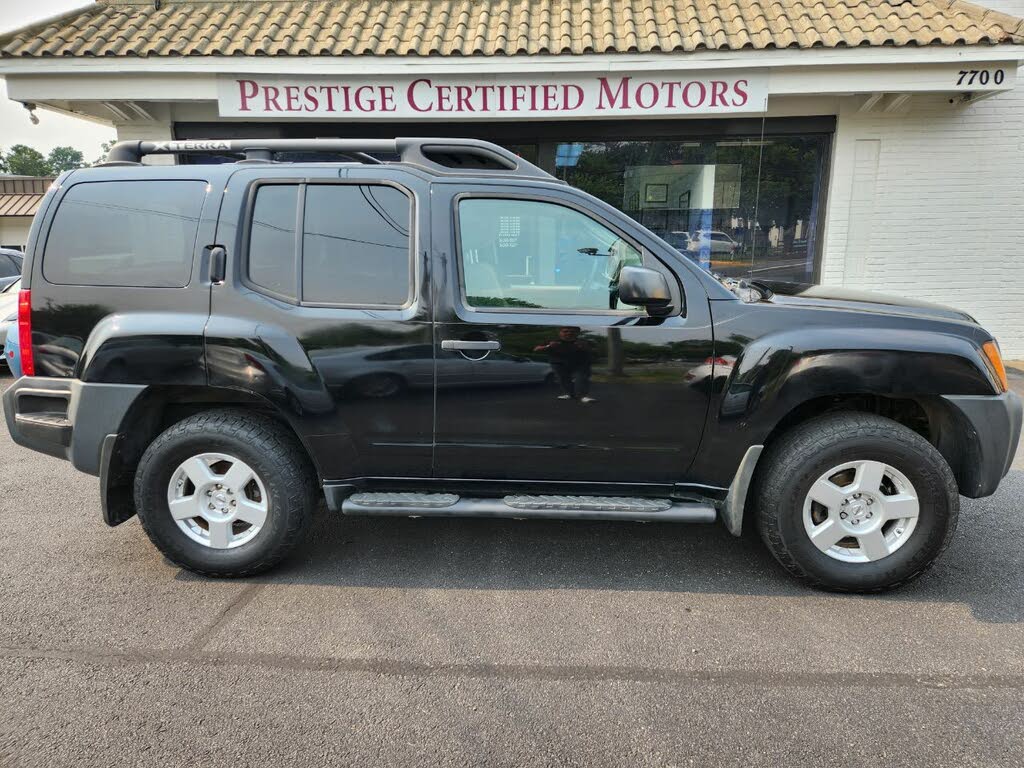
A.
pixel 436 327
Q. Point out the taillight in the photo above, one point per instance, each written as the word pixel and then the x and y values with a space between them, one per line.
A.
pixel 28 365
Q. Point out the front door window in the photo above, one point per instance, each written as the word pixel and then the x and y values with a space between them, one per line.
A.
pixel 530 254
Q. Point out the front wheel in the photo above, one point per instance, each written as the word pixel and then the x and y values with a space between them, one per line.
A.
pixel 855 502
pixel 225 493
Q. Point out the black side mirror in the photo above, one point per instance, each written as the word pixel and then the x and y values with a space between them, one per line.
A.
pixel 643 287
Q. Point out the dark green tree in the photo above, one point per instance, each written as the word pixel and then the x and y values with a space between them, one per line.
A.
pixel 22 160
pixel 63 159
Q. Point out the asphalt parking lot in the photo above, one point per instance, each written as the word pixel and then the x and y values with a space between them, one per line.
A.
pixel 471 642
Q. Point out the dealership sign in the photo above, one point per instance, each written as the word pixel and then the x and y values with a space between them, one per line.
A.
pixel 661 94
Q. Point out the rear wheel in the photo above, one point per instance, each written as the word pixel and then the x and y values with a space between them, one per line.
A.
pixel 856 502
pixel 225 493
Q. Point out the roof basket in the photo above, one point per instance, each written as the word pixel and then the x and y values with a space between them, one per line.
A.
pixel 438 156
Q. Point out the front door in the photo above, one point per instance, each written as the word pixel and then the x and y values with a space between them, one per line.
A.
pixel 549 376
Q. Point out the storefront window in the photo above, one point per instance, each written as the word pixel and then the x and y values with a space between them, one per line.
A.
pixel 741 197
pixel 740 207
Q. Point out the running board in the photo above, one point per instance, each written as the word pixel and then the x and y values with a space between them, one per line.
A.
pixel 521 506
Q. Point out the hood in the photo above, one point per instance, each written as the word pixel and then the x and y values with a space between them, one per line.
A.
pixel 851 299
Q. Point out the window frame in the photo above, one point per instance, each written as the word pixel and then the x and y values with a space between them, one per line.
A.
pixel 650 260
pixel 42 251
pixel 302 184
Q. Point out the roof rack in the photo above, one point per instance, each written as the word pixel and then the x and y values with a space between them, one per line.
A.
pixel 438 156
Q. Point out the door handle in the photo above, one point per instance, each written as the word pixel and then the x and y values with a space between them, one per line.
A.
pixel 218 258
pixel 476 346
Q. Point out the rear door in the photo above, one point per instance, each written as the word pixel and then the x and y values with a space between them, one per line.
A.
pixel 322 312
pixel 568 383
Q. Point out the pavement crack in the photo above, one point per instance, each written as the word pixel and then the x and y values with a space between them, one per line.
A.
pixel 229 611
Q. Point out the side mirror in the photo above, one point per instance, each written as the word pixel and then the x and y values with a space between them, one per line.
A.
pixel 643 287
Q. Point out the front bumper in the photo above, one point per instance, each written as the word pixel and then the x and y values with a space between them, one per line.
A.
pixel 67 418
pixel 991 426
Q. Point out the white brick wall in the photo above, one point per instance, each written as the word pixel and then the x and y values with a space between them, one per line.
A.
pixel 940 215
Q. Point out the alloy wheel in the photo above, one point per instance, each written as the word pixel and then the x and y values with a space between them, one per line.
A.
pixel 861 511
pixel 217 500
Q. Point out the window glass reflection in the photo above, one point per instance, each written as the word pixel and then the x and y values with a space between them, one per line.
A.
pixel 527 254
pixel 740 207
pixel 125 233
pixel 272 238
pixel 355 245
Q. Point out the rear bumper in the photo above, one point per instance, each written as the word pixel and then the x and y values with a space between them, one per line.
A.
pixel 991 426
pixel 67 418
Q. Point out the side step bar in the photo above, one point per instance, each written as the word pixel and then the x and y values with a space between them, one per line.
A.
pixel 552 507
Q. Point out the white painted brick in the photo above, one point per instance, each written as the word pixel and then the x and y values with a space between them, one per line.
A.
pixel 947 223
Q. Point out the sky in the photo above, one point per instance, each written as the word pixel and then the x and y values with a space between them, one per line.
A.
pixel 54 129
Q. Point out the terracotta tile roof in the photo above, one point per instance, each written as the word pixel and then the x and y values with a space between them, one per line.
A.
pixel 501 27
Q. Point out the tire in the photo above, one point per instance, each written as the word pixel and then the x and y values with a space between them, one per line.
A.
pixel 787 511
pixel 284 485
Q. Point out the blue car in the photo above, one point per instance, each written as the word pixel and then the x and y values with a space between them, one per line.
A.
pixel 12 355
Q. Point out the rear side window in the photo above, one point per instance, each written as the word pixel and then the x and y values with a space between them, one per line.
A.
pixel 125 233
pixel 353 248
pixel 355 245
pixel 272 242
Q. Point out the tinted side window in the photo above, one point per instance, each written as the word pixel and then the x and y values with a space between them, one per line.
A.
pixel 125 233
pixel 272 238
pixel 529 254
pixel 355 245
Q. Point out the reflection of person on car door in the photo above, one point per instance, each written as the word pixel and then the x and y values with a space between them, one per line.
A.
pixel 570 358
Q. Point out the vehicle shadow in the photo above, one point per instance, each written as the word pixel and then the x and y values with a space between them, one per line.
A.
pixel 980 570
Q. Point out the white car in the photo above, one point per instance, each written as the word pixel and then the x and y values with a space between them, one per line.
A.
pixel 11 262
pixel 718 243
